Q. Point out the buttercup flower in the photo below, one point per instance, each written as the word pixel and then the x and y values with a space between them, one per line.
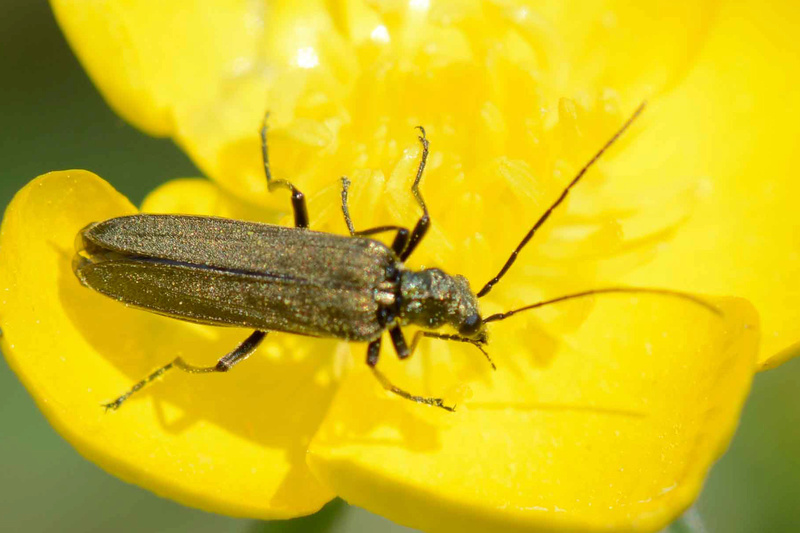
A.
pixel 605 413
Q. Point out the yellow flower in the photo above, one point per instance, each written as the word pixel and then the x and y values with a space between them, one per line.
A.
pixel 604 413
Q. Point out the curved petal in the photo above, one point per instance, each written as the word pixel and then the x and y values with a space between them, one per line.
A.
pixel 729 131
pixel 616 433
pixel 232 443
pixel 147 57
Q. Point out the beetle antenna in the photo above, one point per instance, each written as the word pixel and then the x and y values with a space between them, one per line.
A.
pixel 610 290
pixel 488 287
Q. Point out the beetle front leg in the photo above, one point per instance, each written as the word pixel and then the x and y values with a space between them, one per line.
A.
pixel 373 351
pixel 434 402
pixel 298 198
pixel 458 338
pixel 227 362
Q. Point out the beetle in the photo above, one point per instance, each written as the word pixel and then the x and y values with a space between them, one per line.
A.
pixel 226 272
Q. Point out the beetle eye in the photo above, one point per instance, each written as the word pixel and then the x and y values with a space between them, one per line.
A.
pixel 470 326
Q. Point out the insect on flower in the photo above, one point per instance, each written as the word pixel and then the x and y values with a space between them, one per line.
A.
pixel 226 272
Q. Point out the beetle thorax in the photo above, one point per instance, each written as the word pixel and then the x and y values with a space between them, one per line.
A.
pixel 431 298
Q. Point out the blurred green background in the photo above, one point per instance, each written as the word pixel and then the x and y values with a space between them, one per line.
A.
pixel 52 118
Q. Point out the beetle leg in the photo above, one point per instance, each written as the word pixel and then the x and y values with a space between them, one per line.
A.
pixel 373 350
pixel 298 198
pixel 400 239
pixel 435 402
pixel 239 354
pixel 419 334
pixel 399 342
pixel 345 208
pixel 424 223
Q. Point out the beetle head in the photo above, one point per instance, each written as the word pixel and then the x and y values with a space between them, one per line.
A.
pixel 431 298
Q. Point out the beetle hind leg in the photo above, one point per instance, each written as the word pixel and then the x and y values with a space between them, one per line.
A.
pixel 240 353
pixel 113 406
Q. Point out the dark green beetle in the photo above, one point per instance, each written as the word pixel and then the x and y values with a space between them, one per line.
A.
pixel 227 272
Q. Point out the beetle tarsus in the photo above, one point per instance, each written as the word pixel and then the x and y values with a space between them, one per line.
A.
pixel 458 338
pixel 239 354
pixel 424 223
pixel 433 402
pixel 400 238
pixel 298 198
pixel 113 406
pixel 345 210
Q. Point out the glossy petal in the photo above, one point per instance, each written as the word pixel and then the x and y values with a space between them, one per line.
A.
pixel 615 434
pixel 147 57
pixel 232 443
pixel 732 130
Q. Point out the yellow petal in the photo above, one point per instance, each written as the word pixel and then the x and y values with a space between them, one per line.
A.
pixel 147 57
pixel 616 433
pixel 232 443
pixel 515 100
pixel 728 134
